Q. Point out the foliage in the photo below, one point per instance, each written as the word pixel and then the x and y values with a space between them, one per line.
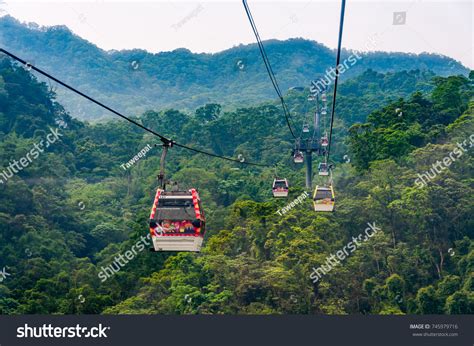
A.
pixel 68 214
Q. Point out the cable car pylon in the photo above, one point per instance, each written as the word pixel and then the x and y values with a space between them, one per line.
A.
pixel 309 146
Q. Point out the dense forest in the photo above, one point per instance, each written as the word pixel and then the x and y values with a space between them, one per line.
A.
pixel 135 81
pixel 73 208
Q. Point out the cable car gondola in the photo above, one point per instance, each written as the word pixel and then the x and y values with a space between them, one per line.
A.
pixel 298 157
pixel 280 188
pixel 305 128
pixel 324 141
pixel 323 169
pixel 323 198
pixel 177 221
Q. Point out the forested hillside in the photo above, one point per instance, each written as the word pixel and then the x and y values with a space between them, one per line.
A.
pixel 136 81
pixel 72 209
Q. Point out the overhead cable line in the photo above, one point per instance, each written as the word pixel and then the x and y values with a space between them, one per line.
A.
pixel 268 67
pixel 338 59
pixel 166 141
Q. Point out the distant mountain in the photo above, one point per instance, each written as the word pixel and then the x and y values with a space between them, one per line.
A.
pixel 135 80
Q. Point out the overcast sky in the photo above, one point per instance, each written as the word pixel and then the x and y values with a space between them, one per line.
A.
pixel 444 27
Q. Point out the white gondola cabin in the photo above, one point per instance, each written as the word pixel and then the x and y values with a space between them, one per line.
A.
pixel 177 221
pixel 323 198
pixel 298 157
pixel 323 169
pixel 280 188
pixel 324 141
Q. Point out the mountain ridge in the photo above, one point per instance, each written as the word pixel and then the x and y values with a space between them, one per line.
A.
pixel 137 80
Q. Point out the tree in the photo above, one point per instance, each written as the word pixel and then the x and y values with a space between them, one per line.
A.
pixel 209 112
pixel 460 303
pixel 427 301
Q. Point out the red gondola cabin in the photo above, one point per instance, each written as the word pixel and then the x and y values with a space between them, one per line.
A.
pixel 177 221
